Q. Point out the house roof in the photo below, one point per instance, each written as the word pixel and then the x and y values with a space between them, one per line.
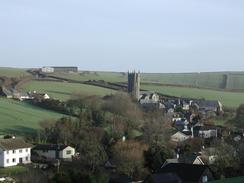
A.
pixel 163 178
pixel 192 158
pixel 50 147
pixel 12 144
pixel 187 172
pixel 207 103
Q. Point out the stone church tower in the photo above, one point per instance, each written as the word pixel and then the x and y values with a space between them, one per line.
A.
pixel 134 84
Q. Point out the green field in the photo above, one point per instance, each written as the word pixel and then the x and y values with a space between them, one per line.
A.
pixel 64 90
pixel 19 117
pixel 13 72
pixel 231 180
pixel 214 80
pixel 228 99
pixel 85 76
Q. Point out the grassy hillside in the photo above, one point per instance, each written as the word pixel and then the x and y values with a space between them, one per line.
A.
pixel 63 90
pixel 19 117
pixel 232 180
pixel 208 80
pixel 229 99
pixel 13 72
pixel 85 76
pixel 217 80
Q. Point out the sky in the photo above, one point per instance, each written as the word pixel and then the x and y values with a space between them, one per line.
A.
pixel 121 35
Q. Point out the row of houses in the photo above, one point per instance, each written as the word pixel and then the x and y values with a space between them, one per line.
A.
pixel 14 151
pixel 14 94
pixel 152 100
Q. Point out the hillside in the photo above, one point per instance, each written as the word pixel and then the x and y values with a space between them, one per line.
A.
pixel 19 117
pixel 215 80
pixel 13 72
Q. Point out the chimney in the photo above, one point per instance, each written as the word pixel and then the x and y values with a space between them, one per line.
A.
pixel 192 132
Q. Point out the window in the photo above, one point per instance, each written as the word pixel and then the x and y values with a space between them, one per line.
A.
pixel 7 152
pixel 7 160
pixel 205 179
pixel 68 152
pixel 27 159
pixel 20 151
pixel 26 150
pixel 13 151
pixel 13 160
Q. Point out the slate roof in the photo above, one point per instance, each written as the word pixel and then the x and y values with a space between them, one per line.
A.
pixel 187 172
pixel 207 103
pixel 12 144
pixel 50 147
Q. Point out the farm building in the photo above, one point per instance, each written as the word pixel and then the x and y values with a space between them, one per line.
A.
pixel 54 151
pixel 59 69
pixel 14 151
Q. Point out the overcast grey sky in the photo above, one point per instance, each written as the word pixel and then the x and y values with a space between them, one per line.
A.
pixel 148 35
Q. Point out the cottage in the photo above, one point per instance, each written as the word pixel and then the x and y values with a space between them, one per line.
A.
pixel 36 95
pixel 14 151
pixel 54 151
pixel 189 173
pixel 150 100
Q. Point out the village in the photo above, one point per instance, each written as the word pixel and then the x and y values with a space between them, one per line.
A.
pixel 192 137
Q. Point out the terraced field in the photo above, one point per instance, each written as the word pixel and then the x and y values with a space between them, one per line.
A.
pixel 229 99
pixel 19 117
pixel 64 90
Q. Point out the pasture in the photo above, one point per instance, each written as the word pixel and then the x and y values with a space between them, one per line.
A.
pixel 228 99
pixel 215 80
pixel 13 72
pixel 63 90
pixel 94 75
pixel 20 117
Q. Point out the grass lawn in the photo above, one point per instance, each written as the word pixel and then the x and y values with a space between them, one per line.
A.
pixel 13 170
pixel 228 99
pixel 231 180
pixel 63 90
pixel 20 118
pixel 13 72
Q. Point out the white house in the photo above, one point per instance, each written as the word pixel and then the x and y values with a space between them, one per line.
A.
pixel 14 152
pixel 54 151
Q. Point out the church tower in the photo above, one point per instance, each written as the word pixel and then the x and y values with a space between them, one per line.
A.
pixel 134 84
